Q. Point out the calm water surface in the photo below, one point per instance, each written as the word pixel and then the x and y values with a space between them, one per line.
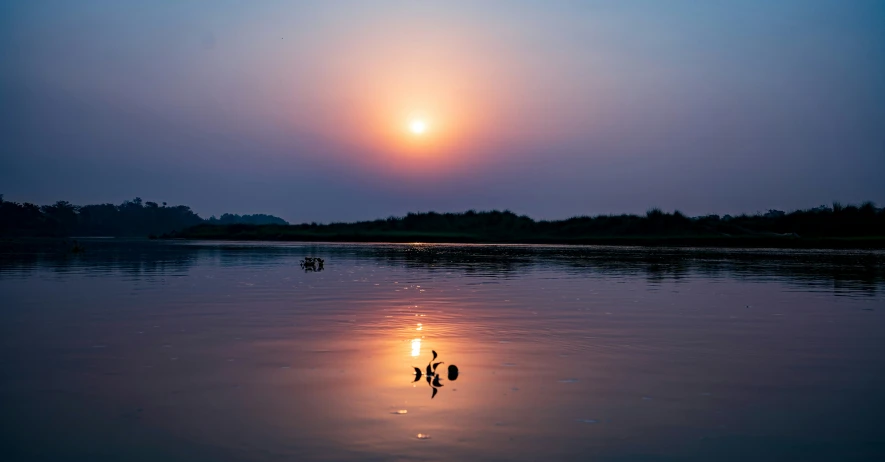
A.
pixel 229 352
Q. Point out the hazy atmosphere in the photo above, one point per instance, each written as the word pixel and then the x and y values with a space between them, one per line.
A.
pixel 522 230
pixel 333 111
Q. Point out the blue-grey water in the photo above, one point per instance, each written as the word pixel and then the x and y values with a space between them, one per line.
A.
pixel 181 351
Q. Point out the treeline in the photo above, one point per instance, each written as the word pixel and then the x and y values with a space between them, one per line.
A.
pixel 837 221
pixel 256 219
pixel 131 218
pixel 143 219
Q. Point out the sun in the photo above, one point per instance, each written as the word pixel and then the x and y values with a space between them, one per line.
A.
pixel 417 126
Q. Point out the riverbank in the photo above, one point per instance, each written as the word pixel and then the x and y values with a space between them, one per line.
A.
pixel 287 234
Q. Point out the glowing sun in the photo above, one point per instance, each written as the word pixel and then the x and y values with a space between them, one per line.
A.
pixel 417 126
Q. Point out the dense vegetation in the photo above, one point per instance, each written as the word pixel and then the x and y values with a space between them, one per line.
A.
pixel 836 226
pixel 131 218
pixel 256 219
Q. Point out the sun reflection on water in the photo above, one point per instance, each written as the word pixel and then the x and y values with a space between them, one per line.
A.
pixel 416 347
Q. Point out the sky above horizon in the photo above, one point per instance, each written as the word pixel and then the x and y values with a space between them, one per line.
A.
pixel 305 110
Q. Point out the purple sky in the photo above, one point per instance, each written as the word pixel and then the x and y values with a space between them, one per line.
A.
pixel 551 109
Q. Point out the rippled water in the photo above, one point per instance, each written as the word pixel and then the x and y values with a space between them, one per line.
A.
pixel 185 351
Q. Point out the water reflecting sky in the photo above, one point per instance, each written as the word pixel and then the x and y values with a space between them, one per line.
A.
pixel 180 351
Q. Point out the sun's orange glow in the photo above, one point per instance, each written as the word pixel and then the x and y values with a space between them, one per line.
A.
pixel 410 115
pixel 418 126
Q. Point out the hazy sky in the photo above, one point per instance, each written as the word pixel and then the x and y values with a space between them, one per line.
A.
pixel 553 109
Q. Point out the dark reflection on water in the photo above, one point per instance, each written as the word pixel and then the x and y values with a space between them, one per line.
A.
pixel 178 351
pixel 845 272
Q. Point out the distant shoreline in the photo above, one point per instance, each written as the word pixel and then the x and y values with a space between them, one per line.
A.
pixel 29 245
pixel 837 227
pixel 762 242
